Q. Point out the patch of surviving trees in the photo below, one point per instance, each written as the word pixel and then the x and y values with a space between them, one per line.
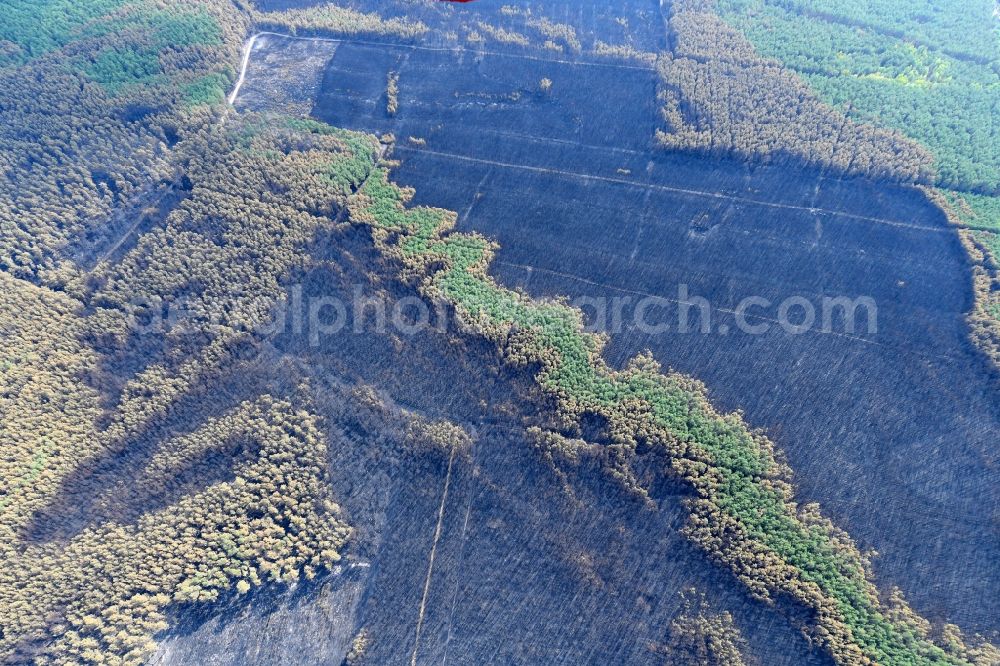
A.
pixel 101 593
pixel 931 72
pixel 720 96
pixel 90 106
pixel 978 219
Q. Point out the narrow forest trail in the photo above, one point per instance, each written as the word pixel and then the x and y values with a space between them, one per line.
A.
pixel 430 563
pixel 748 316
pixel 681 190
pixel 247 49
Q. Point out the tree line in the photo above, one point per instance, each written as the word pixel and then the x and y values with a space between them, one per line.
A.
pixel 931 72
pixel 719 96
